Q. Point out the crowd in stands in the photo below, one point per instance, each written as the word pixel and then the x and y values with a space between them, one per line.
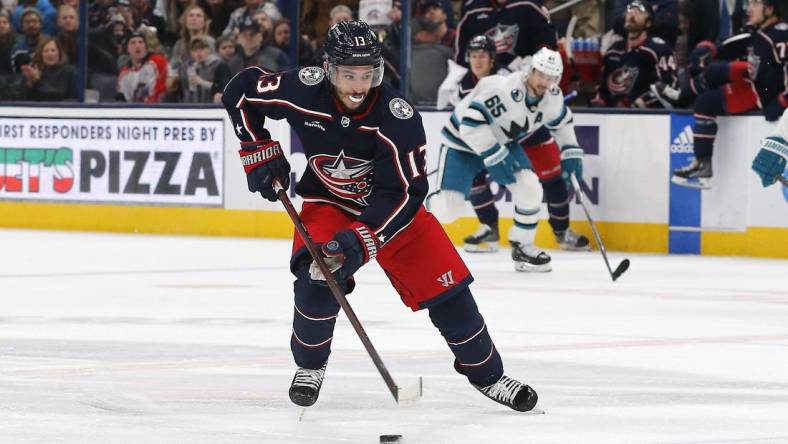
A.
pixel 153 51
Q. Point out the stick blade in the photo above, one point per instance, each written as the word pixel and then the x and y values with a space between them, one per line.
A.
pixel 410 394
pixel 622 267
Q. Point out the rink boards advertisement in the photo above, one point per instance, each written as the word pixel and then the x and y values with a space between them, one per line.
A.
pixel 176 162
pixel 177 171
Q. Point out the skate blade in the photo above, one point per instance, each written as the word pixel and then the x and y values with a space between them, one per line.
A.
pixel 531 268
pixel 484 247
pixel 573 248
pixel 698 184
pixel 410 394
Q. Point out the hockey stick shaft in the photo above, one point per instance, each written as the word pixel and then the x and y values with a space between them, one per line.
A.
pixel 783 180
pixel 580 197
pixel 339 295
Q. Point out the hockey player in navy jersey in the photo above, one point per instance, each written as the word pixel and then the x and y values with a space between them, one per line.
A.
pixel 630 67
pixel 518 28
pixel 759 82
pixel 486 131
pixel 363 190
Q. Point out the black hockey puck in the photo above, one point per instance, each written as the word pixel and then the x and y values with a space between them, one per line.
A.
pixel 390 438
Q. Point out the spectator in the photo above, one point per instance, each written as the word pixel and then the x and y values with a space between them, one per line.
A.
pixel 631 67
pixel 444 5
pixel 265 17
pixel 143 13
pixel 714 20
pixel 31 30
pixel 48 77
pixel 142 79
pixel 47 13
pixel 317 16
pixel 241 14
pixel 254 52
pixel 433 11
pixel 392 43
pixel 194 23
pixel 429 59
pixel 306 56
pixel 219 11
pixel 339 13
pixel 8 40
pixel 225 48
pixel 203 78
pixel 67 31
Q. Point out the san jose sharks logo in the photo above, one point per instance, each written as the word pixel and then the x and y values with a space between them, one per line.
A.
pixel 516 130
pixel 344 176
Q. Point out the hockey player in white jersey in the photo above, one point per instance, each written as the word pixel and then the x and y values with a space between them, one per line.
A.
pixel 484 131
pixel 770 162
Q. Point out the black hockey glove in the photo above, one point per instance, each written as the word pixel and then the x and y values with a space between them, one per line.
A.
pixel 346 253
pixel 263 162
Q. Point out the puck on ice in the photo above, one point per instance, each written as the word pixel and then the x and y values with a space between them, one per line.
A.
pixel 390 438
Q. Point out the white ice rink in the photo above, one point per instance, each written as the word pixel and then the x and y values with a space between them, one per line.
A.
pixel 108 338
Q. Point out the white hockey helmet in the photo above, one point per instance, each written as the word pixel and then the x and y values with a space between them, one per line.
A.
pixel 548 62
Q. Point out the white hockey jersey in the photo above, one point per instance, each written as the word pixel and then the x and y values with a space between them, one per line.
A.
pixel 497 112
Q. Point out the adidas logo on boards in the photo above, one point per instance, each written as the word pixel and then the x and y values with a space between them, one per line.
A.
pixel 683 141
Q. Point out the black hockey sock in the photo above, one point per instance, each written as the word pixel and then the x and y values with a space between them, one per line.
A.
pixel 705 132
pixel 483 201
pixel 314 316
pixel 557 197
pixel 459 321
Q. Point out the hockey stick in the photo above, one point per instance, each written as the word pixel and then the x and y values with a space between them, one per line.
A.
pixel 409 394
pixel 624 265
pixel 783 180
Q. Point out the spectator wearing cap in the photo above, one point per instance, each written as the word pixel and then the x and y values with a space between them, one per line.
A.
pixel 247 11
pixel 429 58
pixel 8 40
pixel 434 12
pixel 31 31
pixel 254 52
pixel 48 77
pixel 204 77
pixel 143 78
pixel 68 30
pixel 47 12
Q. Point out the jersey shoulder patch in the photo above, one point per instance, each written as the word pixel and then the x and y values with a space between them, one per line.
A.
pixel 554 90
pixel 658 40
pixel 311 75
pixel 400 108
pixel 782 26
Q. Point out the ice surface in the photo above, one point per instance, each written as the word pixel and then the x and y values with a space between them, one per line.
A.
pixel 139 338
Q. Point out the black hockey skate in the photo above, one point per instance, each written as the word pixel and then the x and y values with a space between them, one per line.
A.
pixel 306 385
pixel 527 257
pixel 695 175
pixel 511 393
pixel 569 240
pixel 484 240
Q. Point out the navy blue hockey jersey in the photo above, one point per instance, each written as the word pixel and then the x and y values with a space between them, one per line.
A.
pixel 518 28
pixel 768 60
pixel 627 73
pixel 371 163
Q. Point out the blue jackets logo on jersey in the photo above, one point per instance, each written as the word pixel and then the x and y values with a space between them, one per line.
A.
pixel 344 176
pixel 622 80
pixel 505 37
